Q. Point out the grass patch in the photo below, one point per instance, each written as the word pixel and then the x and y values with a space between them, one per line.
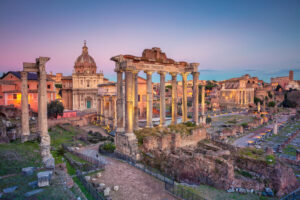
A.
pixel 75 158
pixel 290 150
pixel 15 156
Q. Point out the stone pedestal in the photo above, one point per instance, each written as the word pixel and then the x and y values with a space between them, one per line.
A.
pixel 127 144
pixel 44 178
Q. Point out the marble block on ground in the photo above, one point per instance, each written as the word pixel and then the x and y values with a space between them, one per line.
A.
pixel 44 178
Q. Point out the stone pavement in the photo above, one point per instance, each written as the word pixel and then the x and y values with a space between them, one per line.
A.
pixel 133 183
pixel 243 141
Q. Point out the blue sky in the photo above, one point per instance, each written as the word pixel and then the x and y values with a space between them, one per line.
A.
pixel 227 38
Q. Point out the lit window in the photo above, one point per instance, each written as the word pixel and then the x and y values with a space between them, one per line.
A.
pixel 15 96
pixel 139 98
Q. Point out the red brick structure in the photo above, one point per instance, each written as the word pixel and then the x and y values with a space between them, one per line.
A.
pixel 10 90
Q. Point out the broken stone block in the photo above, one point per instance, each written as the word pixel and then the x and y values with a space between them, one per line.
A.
pixel 231 190
pixel 33 184
pixel 101 186
pixel 28 171
pixel 33 192
pixel 116 188
pixel 106 191
pixel 268 192
pixel 44 178
pixel 99 174
pixel 10 189
pixel 87 178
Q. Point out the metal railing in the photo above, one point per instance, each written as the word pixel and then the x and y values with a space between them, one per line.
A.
pixel 292 196
pixel 170 184
pixel 92 190
pixel 181 192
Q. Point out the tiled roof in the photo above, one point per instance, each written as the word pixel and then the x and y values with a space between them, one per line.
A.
pixel 30 76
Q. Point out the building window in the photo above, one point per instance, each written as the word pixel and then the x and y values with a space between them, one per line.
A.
pixel 1 97
pixel 139 98
pixel 48 86
pixel 28 86
pixel 14 96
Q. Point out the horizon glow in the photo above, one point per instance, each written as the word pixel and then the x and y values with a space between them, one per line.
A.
pixel 229 37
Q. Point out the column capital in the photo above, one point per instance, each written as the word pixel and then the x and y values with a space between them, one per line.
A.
pixel 118 70
pixel 173 73
pixel 135 72
pixel 148 72
pixel 196 73
pixel 184 74
pixel 162 73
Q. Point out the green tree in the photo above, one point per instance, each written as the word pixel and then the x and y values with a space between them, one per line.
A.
pixel 55 108
pixel 271 104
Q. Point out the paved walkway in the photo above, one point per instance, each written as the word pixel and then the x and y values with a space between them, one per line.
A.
pixel 243 141
pixel 133 183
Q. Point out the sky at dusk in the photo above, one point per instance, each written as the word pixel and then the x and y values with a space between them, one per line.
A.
pixel 228 38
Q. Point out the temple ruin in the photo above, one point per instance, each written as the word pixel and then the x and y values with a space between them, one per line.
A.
pixel 152 60
pixel 40 68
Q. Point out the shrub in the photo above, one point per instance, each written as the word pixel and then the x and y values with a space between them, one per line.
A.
pixel 55 108
pixel 108 147
pixel 244 125
pixel 271 104
pixel 208 120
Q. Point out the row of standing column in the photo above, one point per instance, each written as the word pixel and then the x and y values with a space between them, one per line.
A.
pixel 109 114
pixel 42 109
pixel 131 99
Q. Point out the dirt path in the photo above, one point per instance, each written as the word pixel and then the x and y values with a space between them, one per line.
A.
pixel 133 183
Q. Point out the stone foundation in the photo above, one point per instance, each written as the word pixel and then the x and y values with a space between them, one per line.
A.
pixel 127 144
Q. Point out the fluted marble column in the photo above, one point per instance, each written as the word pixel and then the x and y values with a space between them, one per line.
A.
pixel 149 99
pixel 203 100
pixel 195 98
pixel 110 109
pixel 135 101
pixel 174 98
pixel 120 112
pixel 184 97
pixel 25 110
pixel 162 112
pixel 129 102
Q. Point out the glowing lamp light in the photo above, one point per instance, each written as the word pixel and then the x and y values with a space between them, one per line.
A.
pixel 258 137
pixel 250 142
pixel 263 134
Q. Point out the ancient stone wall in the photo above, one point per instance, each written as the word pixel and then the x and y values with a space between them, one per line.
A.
pixel 74 121
pixel 173 141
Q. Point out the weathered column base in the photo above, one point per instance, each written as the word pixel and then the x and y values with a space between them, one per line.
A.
pixel 24 137
pixel 127 144
pixel 202 119
pixel 47 157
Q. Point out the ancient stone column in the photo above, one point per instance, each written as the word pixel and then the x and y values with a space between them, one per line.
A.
pixel 110 109
pixel 149 99
pixel 39 103
pixel 120 113
pixel 135 102
pixel 184 97
pixel 48 160
pixel 115 113
pixel 203 100
pixel 195 98
pixel 25 110
pixel 246 100
pixel 174 98
pixel 275 128
pixel 162 112
pixel 129 102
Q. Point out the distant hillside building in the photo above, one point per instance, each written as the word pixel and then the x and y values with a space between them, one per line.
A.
pixel 286 82
pixel 238 92
pixel 10 89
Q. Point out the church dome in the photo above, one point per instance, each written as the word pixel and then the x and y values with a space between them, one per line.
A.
pixel 85 63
